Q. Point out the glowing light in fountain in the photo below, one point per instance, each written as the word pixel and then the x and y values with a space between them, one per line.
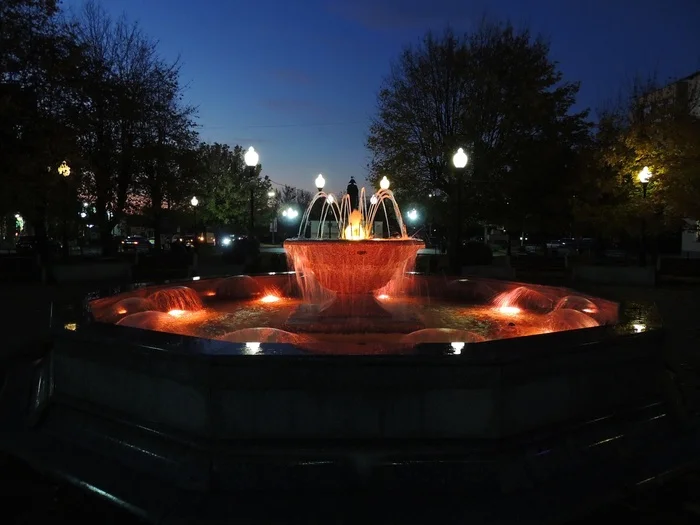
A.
pixel 457 348
pixel 355 231
pixel 639 327
pixel 383 297
pixel 253 348
pixel 270 298
pixel 177 313
pixel 508 310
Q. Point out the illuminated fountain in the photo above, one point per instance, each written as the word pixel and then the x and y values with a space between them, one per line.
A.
pixel 355 264
pixel 207 387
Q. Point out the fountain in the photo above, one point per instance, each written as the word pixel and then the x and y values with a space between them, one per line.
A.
pixel 354 265
pixel 352 370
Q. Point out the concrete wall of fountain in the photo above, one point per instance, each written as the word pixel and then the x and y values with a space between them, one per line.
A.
pixel 500 390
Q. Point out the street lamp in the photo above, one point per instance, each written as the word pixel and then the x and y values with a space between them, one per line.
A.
pixel 320 182
pixel 412 215
pixel 251 159
pixel 194 202
pixel 271 194
pixel 64 171
pixel 459 161
pixel 643 176
pixel 384 183
pixel 373 200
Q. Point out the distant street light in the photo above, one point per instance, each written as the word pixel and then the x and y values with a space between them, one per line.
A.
pixel 373 200
pixel 290 213
pixel 644 176
pixel 384 183
pixel 412 215
pixel 271 194
pixel 252 158
pixel 64 169
pixel 83 214
pixel 194 202
pixel 330 199
pixel 320 182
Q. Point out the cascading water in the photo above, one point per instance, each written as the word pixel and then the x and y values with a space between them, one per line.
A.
pixel 176 298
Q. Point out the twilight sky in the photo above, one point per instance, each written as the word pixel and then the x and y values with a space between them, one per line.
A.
pixel 297 79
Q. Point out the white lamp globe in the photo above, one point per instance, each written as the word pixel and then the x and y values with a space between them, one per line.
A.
pixel 251 157
pixel 460 159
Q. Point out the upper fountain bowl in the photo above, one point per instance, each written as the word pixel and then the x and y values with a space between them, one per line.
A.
pixel 353 267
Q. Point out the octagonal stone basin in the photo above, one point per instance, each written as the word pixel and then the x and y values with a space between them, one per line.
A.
pixel 543 396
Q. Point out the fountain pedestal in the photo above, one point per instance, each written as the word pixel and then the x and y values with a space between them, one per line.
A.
pixel 353 270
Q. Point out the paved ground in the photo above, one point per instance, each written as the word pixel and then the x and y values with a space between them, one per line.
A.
pixel 28 498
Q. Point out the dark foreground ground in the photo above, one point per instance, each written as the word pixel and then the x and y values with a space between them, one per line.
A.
pixel 27 497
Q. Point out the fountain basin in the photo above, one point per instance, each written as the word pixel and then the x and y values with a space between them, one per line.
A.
pixel 353 267
pixel 155 419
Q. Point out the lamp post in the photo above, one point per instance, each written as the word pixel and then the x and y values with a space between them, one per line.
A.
pixel 195 202
pixel 459 162
pixel 251 158
pixel 64 171
pixel 643 176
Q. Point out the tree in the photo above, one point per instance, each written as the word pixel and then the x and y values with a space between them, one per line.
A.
pixel 38 70
pixel 496 93
pixel 127 91
pixel 654 127
pixel 226 185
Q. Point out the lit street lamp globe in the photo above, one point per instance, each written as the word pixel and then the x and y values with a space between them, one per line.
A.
pixel 373 200
pixel 320 182
pixel 384 183
pixel 460 159
pixel 330 199
pixel 412 214
pixel 644 175
pixel 194 201
pixel 64 169
pixel 271 194
pixel 251 157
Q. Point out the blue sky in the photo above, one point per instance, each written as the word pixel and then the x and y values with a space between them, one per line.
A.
pixel 297 79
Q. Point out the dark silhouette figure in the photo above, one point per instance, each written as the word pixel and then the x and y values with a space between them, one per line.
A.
pixel 354 193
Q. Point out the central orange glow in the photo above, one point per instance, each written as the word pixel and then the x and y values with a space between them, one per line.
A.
pixel 270 298
pixel 509 310
pixel 589 310
pixel 177 313
pixel 383 297
pixel 121 311
pixel 355 232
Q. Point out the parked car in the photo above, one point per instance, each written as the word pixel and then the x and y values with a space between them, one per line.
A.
pixel 136 243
